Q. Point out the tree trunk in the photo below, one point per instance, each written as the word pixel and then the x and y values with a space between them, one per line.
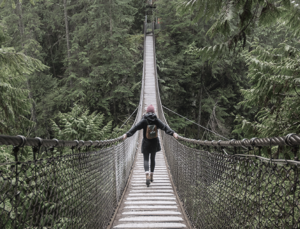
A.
pixel 21 30
pixel 21 25
pixel 110 17
pixel 67 29
pixel 67 37
pixel 51 56
pixel 200 110
pixel 200 102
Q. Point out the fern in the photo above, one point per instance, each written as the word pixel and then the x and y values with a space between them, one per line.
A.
pixel 80 124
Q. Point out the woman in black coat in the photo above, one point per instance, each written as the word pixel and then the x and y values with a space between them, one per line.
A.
pixel 149 146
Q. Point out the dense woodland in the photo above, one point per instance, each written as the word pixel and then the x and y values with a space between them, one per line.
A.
pixel 72 69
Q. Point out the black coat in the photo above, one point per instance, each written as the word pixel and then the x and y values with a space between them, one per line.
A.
pixel 149 145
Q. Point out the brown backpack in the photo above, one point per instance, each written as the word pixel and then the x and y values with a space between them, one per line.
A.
pixel 151 131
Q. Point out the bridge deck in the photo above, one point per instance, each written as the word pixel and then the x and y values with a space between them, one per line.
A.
pixel 155 206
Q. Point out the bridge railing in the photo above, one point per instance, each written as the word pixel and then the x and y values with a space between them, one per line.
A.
pixel 222 190
pixel 55 189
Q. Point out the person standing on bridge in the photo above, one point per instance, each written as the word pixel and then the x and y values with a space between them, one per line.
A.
pixel 150 144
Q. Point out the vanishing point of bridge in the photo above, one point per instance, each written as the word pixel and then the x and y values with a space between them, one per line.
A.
pixel 197 184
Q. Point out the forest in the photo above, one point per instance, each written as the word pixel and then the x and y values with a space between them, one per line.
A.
pixel 70 83
pixel 72 69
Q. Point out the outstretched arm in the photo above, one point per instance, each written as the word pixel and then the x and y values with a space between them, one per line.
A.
pixel 132 131
pixel 167 129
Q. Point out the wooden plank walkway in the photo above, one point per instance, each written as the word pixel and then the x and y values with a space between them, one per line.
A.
pixel 155 206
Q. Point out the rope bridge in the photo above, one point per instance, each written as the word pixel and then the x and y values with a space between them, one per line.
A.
pixel 79 184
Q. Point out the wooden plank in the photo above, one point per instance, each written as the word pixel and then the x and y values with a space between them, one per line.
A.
pixel 151 225
pixel 150 202
pixel 152 219
pixel 151 198
pixel 152 213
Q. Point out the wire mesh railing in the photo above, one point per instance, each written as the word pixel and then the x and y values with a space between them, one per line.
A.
pixel 234 191
pixel 55 189
pixel 222 190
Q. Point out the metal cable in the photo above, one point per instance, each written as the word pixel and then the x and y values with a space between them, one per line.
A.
pixel 128 118
pixel 196 123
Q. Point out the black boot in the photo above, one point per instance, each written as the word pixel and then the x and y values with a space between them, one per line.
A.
pixel 151 177
pixel 147 180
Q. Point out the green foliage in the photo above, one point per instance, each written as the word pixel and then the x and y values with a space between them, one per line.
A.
pixel 79 124
pixel 270 30
pixel 274 74
pixel 14 101
pixel 235 20
pixel 203 91
pixel 100 69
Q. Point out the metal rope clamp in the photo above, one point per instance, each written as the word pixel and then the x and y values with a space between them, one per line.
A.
pixel 231 142
pixel 40 141
pixel 91 143
pixel 24 140
pixel 97 143
pixel 205 143
pixel 52 147
pixel 212 143
pixel 77 143
pixel 22 144
pixel 219 144
pixel 36 149
pixel 79 146
pixel 57 142
pixel 287 139
pixel 295 148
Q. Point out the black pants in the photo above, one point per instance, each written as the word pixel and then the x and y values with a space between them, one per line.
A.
pixel 146 161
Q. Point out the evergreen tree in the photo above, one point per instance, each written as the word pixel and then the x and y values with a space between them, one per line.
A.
pixel 203 91
pixel 93 52
pixel 15 100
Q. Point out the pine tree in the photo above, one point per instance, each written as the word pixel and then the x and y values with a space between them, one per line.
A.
pixel 15 102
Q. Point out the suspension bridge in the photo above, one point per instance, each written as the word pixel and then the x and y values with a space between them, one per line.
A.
pixel 197 184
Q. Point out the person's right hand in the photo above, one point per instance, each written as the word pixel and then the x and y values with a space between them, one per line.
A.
pixel 124 136
pixel 175 135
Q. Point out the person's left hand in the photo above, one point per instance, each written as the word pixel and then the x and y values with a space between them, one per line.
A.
pixel 175 135
pixel 124 136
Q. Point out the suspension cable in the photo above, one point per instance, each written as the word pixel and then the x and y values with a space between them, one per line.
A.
pixel 195 123
pixel 129 117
